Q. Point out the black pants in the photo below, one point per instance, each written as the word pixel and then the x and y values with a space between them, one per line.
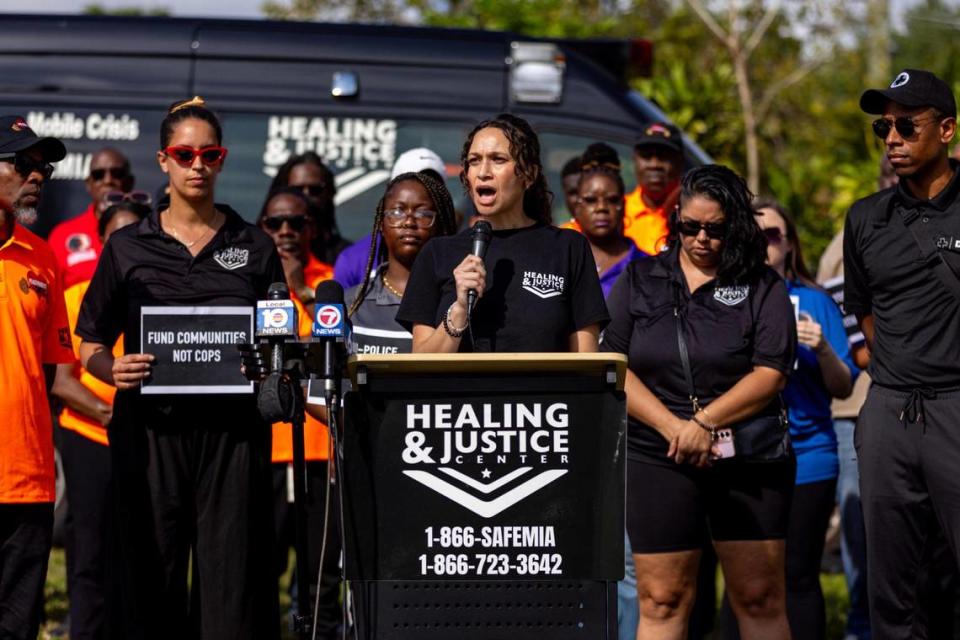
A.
pixel 910 490
pixel 809 518
pixel 26 534
pixel 328 612
pixel 86 467
pixel 195 476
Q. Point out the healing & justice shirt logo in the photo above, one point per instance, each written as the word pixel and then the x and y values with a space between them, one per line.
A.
pixel 486 456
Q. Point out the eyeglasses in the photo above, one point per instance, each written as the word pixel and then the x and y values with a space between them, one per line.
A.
pixel 714 230
pixel 422 217
pixel 312 190
pixel 774 235
pixel 117 173
pixel 137 197
pixel 25 165
pixel 905 126
pixel 185 156
pixel 275 223
pixel 612 201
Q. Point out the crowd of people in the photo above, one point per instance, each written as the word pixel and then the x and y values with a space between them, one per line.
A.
pixel 744 377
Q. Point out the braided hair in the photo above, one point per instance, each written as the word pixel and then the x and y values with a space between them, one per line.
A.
pixel 446 224
pixel 603 159
pixel 525 149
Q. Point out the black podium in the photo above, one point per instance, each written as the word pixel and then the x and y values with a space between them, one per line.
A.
pixel 484 495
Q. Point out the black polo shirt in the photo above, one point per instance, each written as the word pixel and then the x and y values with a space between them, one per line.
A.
pixel 728 331
pixel 143 266
pixel 916 318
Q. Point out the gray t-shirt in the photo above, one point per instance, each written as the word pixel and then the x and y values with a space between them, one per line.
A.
pixel 375 329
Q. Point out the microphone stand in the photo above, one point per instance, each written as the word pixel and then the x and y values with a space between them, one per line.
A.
pixel 303 620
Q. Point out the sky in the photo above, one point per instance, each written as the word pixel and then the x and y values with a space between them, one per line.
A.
pixel 220 8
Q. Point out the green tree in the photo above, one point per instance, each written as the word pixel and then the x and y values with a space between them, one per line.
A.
pixel 100 10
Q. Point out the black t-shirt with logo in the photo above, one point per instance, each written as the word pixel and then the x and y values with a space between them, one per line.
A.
pixel 542 286
pixel 916 331
pixel 728 331
pixel 143 266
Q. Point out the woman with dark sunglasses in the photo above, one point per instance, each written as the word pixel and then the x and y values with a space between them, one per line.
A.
pixel 711 291
pixel 191 472
pixel 415 208
pixel 824 370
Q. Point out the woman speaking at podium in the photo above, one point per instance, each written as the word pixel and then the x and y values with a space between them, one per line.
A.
pixel 537 289
pixel 191 473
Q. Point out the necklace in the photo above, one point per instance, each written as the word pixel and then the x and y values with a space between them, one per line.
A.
pixel 189 245
pixel 387 284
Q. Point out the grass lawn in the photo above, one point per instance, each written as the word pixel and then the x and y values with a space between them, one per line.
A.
pixel 834 591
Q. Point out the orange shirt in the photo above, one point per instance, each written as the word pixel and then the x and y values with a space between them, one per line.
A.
pixel 33 332
pixel 74 420
pixel 646 226
pixel 316 438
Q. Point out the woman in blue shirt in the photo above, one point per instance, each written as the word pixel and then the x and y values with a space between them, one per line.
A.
pixel 824 370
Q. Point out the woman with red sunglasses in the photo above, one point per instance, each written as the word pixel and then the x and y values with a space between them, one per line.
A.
pixel 192 472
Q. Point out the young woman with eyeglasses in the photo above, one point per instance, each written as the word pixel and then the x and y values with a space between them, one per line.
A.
pixel 712 288
pixel 824 370
pixel 415 208
pixel 537 289
pixel 192 472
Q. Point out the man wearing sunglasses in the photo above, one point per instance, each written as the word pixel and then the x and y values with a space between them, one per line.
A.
pixel 901 250
pixel 75 242
pixel 34 337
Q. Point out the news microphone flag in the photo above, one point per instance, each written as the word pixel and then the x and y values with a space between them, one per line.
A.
pixel 276 317
pixel 328 321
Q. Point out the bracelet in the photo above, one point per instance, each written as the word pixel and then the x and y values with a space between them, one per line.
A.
pixel 706 414
pixel 705 427
pixel 453 333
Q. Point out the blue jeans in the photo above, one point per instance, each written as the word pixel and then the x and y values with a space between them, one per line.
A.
pixel 853 536
pixel 628 609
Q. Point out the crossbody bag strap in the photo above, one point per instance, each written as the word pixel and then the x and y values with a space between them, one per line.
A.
pixel 930 254
pixel 685 357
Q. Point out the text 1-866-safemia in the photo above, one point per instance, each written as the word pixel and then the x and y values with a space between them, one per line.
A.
pixel 510 536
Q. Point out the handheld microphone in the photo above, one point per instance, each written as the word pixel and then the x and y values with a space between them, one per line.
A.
pixel 480 234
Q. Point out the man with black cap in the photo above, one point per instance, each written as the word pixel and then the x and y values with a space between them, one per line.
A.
pixel 658 161
pixel 34 337
pixel 902 280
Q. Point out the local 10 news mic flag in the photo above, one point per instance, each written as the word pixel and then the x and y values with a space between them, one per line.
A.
pixel 276 323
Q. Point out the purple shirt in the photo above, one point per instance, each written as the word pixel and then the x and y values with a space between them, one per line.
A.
pixel 349 269
pixel 607 279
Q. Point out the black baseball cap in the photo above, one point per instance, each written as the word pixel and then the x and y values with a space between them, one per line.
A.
pixel 660 134
pixel 16 135
pixel 912 88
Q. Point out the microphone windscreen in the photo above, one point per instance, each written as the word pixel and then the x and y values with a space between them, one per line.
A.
pixel 329 292
pixel 278 291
